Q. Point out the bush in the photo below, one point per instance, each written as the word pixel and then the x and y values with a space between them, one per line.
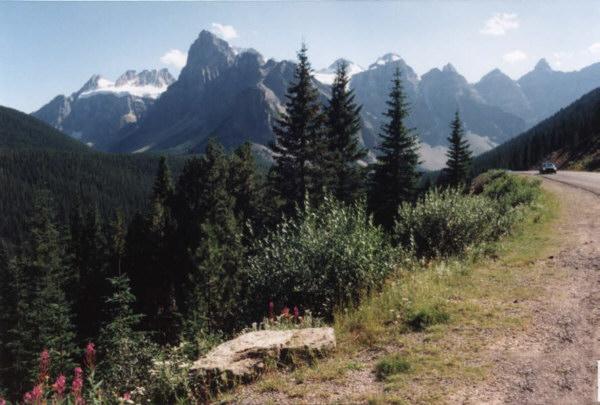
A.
pixel 447 222
pixel 510 191
pixel 420 318
pixel 391 365
pixel 508 188
pixel 325 257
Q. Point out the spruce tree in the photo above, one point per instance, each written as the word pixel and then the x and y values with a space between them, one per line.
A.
pixel 342 124
pixel 395 174
pixel 126 353
pixel 151 259
pixel 459 155
pixel 244 186
pixel 91 286
pixel 215 278
pixel 299 142
pixel 44 314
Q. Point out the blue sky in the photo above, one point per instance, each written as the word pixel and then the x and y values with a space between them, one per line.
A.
pixel 50 48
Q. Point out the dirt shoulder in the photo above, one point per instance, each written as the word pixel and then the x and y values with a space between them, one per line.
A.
pixel 555 359
pixel 523 326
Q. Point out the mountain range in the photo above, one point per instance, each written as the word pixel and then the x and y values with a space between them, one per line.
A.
pixel 235 95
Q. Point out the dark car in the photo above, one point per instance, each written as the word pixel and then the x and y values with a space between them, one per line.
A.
pixel 547 167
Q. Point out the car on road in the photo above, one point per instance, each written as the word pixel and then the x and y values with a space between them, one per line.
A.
pixel 547 167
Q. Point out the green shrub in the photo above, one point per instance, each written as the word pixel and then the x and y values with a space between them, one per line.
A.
pixel 390 365
pixel 510 191
pixel 325 257
pixel 447 222
pixel 420 318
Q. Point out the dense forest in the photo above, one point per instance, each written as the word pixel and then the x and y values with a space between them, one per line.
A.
pixel 129 264
pixel 35 156
pixel 570 136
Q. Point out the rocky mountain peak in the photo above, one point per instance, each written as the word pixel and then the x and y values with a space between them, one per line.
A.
pixel 543 66
pixel 209 50
pixel 385 59
pixel 449 68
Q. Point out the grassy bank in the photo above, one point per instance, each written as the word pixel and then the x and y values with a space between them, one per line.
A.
pixel 421 337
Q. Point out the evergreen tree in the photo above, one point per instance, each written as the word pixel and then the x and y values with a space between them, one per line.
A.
pixel 215 278
pixel 244 186
pixel 117 244
pixel 126 352
pixel 91 286
pixel 459 155
pixel 299 142
pixel 44 317
pixel 394 175
pixel 153 271
pixel 342 124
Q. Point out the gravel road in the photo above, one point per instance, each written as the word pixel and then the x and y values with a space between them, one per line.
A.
pixel 555 360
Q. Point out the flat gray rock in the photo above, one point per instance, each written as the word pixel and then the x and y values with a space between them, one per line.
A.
pixel 242 359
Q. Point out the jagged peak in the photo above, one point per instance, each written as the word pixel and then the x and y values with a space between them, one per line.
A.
pixel 449 68
pixel 385 59
pixel 543 65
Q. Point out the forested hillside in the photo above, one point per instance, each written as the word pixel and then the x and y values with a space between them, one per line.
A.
pixel 35 156
pixel 570 138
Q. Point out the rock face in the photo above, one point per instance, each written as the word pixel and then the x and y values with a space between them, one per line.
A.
pixel 100 109
pixel 245 357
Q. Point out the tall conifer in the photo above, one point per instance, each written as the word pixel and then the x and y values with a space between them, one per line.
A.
pixel 459 155
pixel 299 143
pixel 394 175
pixel 342 124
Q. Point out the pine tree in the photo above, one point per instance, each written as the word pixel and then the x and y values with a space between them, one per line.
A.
pixel 459 154
pixel 243 181
pixel 394 175
pixel 117 244
pixel 44 316
pixel 215 278
pixel 155 278
pixel 126 352
pixel 299 142
pixel 342 124
pixel 91 286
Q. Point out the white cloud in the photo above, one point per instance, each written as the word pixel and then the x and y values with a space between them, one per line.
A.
pixel 594 48
pixel 478 143
pixel 500 23
pixel 560 58
pixel 226 32
pixel 514 56
pixel 175 58
pixel 433 157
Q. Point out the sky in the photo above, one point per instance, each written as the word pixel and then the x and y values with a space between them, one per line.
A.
pixel 51 48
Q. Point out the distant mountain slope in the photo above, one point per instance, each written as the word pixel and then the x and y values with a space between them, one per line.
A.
pixel 21 131
pixel 571 138
pixel 35 156
pixel 234 95
pixel 219 93
pixel 100 109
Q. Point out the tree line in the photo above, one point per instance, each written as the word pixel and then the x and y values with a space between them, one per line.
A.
pixel 174 271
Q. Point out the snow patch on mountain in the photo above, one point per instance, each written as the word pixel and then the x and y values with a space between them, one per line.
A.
pixel 327 75
pixel 146 84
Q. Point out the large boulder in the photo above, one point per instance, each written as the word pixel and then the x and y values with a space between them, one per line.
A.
pixel 245 357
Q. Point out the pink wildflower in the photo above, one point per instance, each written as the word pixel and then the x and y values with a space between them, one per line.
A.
pixel 285 312
pixel 271 310
pixel 34 396
pixel 127 396
pixel 90 355
pixel 44 365
pixel 59 385
pixel 77 385
pixel 2 401
pixel 296 312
